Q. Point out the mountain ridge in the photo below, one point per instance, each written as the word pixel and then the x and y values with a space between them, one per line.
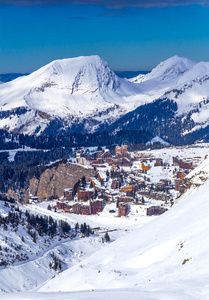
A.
pixel 77 87
pixel 85 94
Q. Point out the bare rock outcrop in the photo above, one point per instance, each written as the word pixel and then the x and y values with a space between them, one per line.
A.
pixel 54 180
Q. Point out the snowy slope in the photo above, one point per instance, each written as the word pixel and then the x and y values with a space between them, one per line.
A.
pixel 82 94
pixel 178 79
pixel 77 87
pixel 157 139
pixel 176 93
pixel 171 253
pixel 164 77
pixel 24 264
pixel 168 70
pixel 114 294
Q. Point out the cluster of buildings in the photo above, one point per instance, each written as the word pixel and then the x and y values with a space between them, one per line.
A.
pixel 89 208
pixel 184 167
pixel 122 181
pixel 121 158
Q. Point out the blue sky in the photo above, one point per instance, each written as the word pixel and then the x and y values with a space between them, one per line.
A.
pixel 127 37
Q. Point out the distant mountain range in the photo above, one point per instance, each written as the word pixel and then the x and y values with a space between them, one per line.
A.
pixel 129 74
pixel 10 76
pixel 83 95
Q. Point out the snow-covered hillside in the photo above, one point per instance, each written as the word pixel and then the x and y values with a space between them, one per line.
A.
pixel 168 70
pixel 176 93
pixel 157 139
pixel 178 79
pixel 83 95
pixel 32 241
pixel 69 89
pixel 169 254
pixel 163 78
pixel 164 259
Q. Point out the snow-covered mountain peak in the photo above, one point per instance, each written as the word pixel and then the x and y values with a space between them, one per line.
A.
pixel 74 72
pixel 173 66
pixel 81 87
pixel 198 71
pixel 84 90
pixel 168 70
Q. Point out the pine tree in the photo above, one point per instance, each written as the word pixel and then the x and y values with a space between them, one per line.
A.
pixel 55 263
pixel 34 237
pixel 107 237
pixel 143 201
pixel 83 181
pixel 76 226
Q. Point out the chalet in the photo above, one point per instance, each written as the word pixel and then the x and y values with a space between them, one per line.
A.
pixel 125 199
pixel 157 195
pixel 144 167
pixel 109 161
pixel 99 161
pixel 144 156
pixel 166 181
pixel 96 206
pixel 178 184
pixel 88 157
pixel 118 151
pixel 110 193
pixel 127 189
pixel 102 176
pixel 180 175
pixel 80 159
pixel 94 182
pixel 99 154
pixel 122 209
pixel 94 165
pixel 161 185
pixel 68 194
pixel 116 183
pixel 159 162
pixel 63 205
pixel 104 154
pixel 155 210
pixel 84 195
pixel 126 162
pixel 182 164
pixel 85 210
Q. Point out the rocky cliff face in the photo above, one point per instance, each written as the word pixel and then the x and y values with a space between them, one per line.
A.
pixel 54 180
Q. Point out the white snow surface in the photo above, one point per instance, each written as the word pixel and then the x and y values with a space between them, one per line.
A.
pixel 85 87
pixel 157 139
pixel 169 253
pixel 77 86
pixel 179 79
pixel 70 89
pixel 169 69
pixel 166 258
